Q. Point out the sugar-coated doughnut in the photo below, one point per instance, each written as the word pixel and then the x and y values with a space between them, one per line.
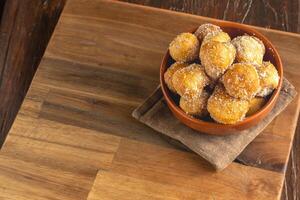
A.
pixel 205 29
pixel 249 49
pixel 195 105
pixel 269 78
pixel 255 105
pixel 190 80
pixel 241 81
pixel 226 109
pixel 218 37
pixel 184 47
pixel 170 72
pixel 216 57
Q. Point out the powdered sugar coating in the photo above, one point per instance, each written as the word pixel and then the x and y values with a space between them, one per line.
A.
pixel 241 81
pixel 217 36
pixel 195 105
pixel 184 47
pixel 216 57
pixel 249 49
pixel 205 29
pixel 226 109
pixel 231 100
pixel 255 105
pixel 269 78
pixel 190 80
pixel 170 72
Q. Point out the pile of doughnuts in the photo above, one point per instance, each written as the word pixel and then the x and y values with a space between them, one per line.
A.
pixel 220 78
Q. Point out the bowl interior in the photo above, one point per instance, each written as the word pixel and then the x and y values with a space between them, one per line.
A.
pixel 234 30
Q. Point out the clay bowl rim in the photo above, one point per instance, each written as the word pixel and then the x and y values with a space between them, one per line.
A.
pixel 250 119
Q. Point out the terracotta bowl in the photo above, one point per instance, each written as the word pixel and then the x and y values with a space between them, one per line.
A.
pixel 211 127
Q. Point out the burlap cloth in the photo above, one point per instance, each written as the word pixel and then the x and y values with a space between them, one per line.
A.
pixel 220 151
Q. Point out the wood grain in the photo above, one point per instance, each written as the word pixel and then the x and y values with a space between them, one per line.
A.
pixel 278 14
pixel 1 9
pixel 96 113
pixel 43 159
pixel 257 153
pixel 283 15
pixel 163 173
pixel 53 169
pixel 115 42
pixel 22 22
pixel 291 188
pixel 102 61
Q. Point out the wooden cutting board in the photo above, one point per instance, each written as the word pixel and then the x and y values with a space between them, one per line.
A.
pixel 75 132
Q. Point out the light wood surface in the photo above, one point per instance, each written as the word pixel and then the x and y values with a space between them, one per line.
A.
pixel 102 61
pixel 116 46
pixel 145 171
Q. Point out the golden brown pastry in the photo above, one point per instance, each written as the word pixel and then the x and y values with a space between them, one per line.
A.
pixel 218 37
pixel 255 105
pixel 241 81
pixel 184 47
pixel 170 72
pixel 249 49
pixel 216 57
pixel 190 80
pixel 195 105
pixel 226 109
pixel 269 78
pixel 205 29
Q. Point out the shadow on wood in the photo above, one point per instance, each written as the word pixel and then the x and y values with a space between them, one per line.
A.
pixel 1 8
pixel 26 28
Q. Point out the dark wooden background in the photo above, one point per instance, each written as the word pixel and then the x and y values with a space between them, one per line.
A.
pixel 276 14
pixel 26 27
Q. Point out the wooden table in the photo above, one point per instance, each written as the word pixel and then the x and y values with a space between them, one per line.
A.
pixel 283 15
pixel 74 137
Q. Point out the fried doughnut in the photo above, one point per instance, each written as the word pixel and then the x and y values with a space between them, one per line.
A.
pixel 184 47
pixel 216 57
pixel 170 72
pixel 241 81
pixel 190 80
pixel 205 29
pixel 195 105
pixel 218 37
pixel 226 109
pixel 249 49
pixel 255 105
pixel 269 78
